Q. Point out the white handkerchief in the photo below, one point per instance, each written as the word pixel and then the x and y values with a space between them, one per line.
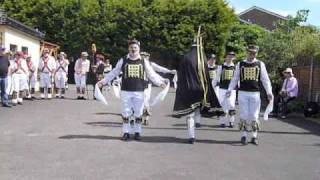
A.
pixel 99 96
pixel 268 110
pixel 175 79
pixel 160 97
pixel 116 90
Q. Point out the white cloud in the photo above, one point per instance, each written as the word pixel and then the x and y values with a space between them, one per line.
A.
pixel 239 10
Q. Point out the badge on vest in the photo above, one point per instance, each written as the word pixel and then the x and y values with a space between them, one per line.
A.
pixel 250 73
pixel 227 74
pixel 212 74
pixel 135 71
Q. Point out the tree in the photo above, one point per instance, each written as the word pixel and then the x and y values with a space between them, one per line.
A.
pixel 165 27
pixel 243 35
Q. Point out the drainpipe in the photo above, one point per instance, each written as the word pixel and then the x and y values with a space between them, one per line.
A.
pixel 310 79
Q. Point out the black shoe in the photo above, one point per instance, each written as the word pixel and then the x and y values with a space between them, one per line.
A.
pixel 222 125
pixel 6 105
pixel 125 137
pixel 137 136
pixel 78 97
pixel 198 125
pixel 20 103
pixel 83 98
pixel 191 140
pixel 230 125
pixel 254 141
pixel 62 97
pixel 244 140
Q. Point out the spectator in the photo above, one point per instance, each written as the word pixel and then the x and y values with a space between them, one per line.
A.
pixel 4 68
pixel 288 92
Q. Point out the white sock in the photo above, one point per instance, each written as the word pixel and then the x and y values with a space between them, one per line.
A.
pixel 244 133
pixel 231 118
pixel 137 127
pixel 222 119
pixel 255 134
pixel 197 116
pixel 125 127
pixel 191 130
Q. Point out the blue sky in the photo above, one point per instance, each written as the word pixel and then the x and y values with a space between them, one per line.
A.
pixel 282 7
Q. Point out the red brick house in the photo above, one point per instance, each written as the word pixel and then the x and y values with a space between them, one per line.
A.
pixel 261 17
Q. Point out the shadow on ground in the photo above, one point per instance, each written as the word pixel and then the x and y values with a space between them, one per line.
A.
pixel 203 128
pixel 303 123
pixel 152 139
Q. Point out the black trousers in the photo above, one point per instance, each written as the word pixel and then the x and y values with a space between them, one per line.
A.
pixel 281 105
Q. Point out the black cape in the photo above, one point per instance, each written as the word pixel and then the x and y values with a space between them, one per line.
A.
pixel 190 92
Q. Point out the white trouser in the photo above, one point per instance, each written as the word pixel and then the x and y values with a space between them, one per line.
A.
pixel 191 118
pixel 249 104
pixel 19 82
pixel 132 100
pixel 147 96
pixel 45 80
pixel 32 81
pixel 227 103
pixel 80 80
pixel 60 80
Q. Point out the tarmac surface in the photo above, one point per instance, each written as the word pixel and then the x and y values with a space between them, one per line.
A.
pixel 68 139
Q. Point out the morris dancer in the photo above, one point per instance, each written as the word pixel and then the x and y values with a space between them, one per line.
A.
pixel 134 69
pixel 250 73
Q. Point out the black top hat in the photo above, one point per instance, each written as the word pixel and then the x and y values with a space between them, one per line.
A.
pixel 253 48
pixel 134 41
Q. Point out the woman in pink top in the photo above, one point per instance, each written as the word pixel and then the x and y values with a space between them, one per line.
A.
pixel 288 92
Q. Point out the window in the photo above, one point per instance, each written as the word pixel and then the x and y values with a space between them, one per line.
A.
pixel 13 48
pixel 24 49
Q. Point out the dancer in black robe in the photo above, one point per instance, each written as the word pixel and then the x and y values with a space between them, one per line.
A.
pixel 194 95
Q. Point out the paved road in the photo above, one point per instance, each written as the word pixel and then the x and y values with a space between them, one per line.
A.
pixel 80 140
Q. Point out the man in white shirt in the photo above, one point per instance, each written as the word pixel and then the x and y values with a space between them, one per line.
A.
pixel 81 69
pixel 61 75
pixel 134 69
pixel 249 74
pixel 148 88
pixel 224 75
pixel 47 66
pixel 31 77
pixel 19 78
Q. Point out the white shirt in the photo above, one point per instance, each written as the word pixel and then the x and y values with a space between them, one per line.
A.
pixel 31 67
pixel 82 66
pixel 151 74
pixel 159 68
pixel 264 77
pixel 23 69
pixel 218 76
pixel 51 64
pixel 61 66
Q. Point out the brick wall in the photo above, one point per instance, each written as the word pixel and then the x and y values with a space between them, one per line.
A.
pixel 302 73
